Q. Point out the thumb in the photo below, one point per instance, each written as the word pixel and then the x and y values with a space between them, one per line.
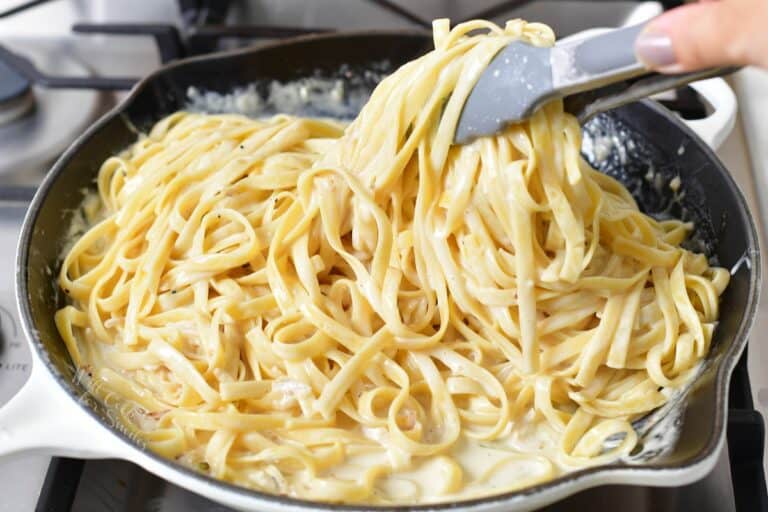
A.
pixel 697 36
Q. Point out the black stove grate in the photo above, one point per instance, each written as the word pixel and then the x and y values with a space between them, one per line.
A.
pixel 746 442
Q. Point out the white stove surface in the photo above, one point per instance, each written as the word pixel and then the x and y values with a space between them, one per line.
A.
pixel 748 155
pixel 22 475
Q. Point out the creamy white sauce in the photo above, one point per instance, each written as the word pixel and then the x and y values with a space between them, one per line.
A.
pixel 487 467
pixel 341 96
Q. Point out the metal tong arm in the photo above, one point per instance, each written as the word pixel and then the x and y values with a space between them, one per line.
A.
pixel 585 63
pixel 602 72
pixel 590 103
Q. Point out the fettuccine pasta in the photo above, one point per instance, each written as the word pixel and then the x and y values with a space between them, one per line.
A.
pixel 373 314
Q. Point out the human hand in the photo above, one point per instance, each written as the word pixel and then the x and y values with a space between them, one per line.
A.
pixel 707 34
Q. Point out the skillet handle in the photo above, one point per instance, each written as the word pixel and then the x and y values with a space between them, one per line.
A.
pixel 44 418
pixel 716 127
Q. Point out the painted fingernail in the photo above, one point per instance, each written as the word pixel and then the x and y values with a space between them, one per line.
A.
pixel 654 49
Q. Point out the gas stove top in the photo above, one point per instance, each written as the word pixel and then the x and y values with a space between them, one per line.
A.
pixel 57 77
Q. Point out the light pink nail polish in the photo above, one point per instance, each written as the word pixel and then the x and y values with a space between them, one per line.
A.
pixel 654 49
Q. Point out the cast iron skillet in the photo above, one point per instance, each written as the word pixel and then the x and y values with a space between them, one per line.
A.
pixel 646 158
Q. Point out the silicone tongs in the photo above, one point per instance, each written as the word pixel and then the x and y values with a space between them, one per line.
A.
pixel 592 74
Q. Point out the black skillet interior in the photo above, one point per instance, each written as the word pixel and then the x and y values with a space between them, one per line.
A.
pixel 641 144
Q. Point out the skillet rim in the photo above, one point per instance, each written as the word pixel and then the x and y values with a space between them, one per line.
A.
pixel 590 476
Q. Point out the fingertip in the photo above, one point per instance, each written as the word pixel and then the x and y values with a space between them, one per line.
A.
pixel 690 37
pixel 654 49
